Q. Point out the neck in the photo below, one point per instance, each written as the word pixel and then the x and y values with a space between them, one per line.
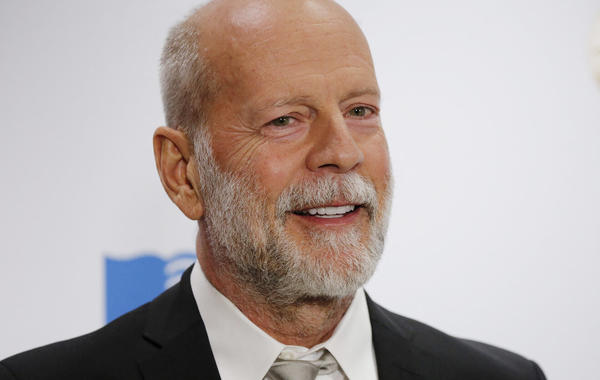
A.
pixel 305 322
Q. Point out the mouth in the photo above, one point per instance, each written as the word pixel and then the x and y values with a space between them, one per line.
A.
pixel 328 212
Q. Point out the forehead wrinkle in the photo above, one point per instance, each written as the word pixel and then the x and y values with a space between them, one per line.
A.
pixel 238 74
pixel 306 30
pixel 292 100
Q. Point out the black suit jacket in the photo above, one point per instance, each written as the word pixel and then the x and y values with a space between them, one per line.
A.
pixel 166 339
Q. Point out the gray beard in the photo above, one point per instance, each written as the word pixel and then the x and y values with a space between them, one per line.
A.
pixel 249 241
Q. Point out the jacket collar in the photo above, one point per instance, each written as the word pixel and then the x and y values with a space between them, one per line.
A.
pixel 397 356
pixel 176 331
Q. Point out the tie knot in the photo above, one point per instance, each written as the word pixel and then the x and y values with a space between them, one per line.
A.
pixel 302 369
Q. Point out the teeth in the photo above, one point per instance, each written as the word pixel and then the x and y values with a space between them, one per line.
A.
pixel 330 212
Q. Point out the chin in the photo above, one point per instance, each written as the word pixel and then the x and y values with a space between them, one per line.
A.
pixel 335 267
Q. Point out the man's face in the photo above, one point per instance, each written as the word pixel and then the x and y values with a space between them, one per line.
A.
pixel 300 159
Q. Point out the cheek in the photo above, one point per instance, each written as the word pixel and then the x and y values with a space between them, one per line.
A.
pixel 276 170
pixel 377 164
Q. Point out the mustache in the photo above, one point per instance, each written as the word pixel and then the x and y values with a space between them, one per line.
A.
pixel 351 188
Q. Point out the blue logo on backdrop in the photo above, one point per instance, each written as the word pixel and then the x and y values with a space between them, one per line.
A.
pixel 133 282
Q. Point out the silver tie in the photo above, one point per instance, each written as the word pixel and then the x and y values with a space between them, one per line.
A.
pixel 302 369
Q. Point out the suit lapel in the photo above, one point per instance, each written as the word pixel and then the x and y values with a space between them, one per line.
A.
pixel 397 358
pixel 180 349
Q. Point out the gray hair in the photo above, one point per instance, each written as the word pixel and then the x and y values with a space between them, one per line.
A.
pixel 187 83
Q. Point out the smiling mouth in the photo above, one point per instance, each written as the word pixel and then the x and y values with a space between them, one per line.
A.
pixel 328 211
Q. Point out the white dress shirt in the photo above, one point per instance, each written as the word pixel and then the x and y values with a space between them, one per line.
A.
pixel 243 351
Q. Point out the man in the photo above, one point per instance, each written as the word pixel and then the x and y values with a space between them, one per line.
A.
pixel 275 147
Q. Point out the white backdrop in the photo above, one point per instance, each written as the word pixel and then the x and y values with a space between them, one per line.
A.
pixel 493 119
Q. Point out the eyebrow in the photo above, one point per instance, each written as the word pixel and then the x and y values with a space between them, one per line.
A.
pixel 364 91
pixel 303 98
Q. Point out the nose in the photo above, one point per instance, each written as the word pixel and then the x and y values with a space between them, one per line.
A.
pixel 335 148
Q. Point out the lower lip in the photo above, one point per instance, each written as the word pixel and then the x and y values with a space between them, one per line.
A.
pixel 346 219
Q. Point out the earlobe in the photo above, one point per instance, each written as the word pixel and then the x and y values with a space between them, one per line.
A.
pixel 176 168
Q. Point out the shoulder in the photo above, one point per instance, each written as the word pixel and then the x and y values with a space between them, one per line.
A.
pixel 465 357
pixel 164 338
pixel 97 355
pixel 444 356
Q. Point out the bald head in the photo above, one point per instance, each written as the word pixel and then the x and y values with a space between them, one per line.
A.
pixel 226 43
pixel 240 17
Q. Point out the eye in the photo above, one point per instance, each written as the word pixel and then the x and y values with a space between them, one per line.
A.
pixel 281 121
pixel 360 112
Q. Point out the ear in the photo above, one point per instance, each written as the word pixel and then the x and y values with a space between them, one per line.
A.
pixel 178 171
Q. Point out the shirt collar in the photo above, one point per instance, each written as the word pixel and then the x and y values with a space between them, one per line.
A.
pixel 243 351
pixel 351 343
